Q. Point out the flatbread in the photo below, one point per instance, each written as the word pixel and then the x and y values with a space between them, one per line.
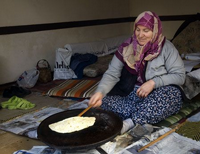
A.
pixel 72 124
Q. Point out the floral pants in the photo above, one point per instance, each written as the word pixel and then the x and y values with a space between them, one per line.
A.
pixel 158 105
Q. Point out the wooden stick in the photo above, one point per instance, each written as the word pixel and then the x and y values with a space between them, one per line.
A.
pixel 161 137
pixel 80 114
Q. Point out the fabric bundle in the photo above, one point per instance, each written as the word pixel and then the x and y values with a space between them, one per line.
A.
pixel 80 61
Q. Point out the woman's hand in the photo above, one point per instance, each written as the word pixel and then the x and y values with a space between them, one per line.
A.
pixel 145 88
pixel 96 99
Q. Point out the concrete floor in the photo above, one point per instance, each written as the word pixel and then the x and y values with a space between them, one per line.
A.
pixel 10 143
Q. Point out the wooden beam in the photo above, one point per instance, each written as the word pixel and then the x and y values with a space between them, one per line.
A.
pixel 72 24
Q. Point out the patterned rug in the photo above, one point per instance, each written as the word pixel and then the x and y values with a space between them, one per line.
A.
pixel 188 109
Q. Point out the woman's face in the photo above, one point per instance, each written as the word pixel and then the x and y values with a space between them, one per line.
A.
pixel 143 34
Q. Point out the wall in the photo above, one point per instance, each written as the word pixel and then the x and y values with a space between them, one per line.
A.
pixel 20 52
pixel 163 8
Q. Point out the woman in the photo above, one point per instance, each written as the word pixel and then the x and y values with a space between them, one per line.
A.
pixel 151 69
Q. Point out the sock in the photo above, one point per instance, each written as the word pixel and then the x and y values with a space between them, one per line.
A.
pixel 127 125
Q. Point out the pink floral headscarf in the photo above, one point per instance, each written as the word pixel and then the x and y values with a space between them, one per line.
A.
pixel 132 54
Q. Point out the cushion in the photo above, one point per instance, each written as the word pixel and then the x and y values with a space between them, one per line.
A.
pixel 191 87
pixel 74 88
pixel 99 67
pixel 187 41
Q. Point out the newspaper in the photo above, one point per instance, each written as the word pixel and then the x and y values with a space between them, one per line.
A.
pixel 49 150
pixel 191 60
pixel 190 64
pixel 111 147
pixel 27 124
pixel 171 144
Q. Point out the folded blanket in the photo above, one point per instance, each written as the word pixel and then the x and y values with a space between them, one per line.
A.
pixel 80 61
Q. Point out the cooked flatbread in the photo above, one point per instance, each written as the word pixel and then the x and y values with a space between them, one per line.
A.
pixel 72 124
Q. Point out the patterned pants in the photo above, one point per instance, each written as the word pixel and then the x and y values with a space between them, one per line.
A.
pixel 158 105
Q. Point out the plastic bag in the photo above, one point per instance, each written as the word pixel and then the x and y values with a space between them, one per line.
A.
pixel 62 62
pixel 28 78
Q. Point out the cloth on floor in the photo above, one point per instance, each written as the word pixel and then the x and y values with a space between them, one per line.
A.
pixel 15 91
pixel 17 103
pixel 36 98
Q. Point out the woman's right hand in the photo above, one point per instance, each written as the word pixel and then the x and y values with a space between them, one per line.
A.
pixel 96 99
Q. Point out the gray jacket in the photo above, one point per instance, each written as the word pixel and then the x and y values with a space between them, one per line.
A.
pixel 167 68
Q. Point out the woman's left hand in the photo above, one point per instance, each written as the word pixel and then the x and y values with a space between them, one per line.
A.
pixel 145 88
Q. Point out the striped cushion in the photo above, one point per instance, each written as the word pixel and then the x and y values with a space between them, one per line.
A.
pixel 74 88
pixel 183 113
